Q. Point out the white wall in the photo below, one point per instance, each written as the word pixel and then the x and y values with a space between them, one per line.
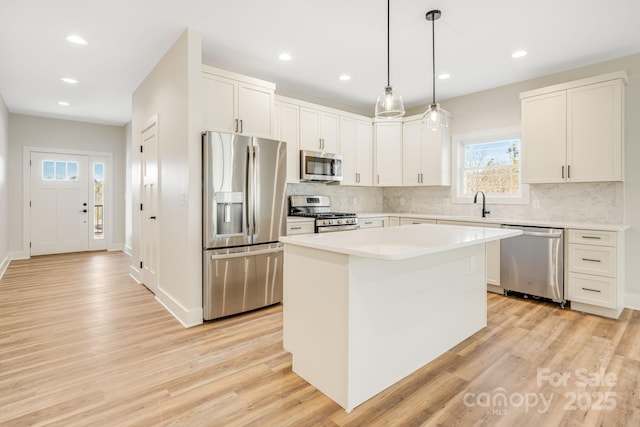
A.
pixel 611 203
pixel 4 187
pixel 172 93
pixel 32 131
pixel 128 212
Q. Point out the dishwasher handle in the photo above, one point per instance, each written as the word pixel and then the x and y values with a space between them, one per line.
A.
pixel 552 235
pixel 530 231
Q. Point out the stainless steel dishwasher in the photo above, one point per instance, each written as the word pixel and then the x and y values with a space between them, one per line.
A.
pixel 533 263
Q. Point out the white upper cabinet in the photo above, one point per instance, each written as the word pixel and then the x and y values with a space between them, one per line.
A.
pixel 286 129
pixel 356 148
pixel 574 132
pixel 388 153
pixel 237 104
pixel 318 130
pixel 426 155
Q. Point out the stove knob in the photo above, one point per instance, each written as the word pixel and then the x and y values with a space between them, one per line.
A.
pixel 339 221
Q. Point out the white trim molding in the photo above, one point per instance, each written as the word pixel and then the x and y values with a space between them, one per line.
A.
pixel 186 317
pixel 5 264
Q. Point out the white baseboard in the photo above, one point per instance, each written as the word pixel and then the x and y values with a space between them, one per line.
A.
pixel 135 274
pixel 128 250
pixel 188 318
pixel 116 247
pixel 4 264
pixel 20 254
pixel 632 301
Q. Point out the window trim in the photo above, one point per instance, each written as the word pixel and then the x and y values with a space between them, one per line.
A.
pixel 457 157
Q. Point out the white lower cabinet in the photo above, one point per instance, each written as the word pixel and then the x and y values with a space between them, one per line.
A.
pixel 300 227
pixel 409 221
pixel 595 271
pixel 374 222
pixel 493 255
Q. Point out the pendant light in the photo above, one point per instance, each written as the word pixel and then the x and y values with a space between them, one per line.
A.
pixel 434 118
pixel 389 106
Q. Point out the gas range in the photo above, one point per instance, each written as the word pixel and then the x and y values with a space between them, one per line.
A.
pixel 319 207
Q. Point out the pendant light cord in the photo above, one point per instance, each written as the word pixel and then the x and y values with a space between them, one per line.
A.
pixel 388 48
pixel 433 55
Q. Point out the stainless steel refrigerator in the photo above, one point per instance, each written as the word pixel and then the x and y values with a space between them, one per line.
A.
pixel 244 215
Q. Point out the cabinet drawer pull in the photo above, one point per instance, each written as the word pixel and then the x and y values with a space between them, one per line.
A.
pixel 296 228
pixel 591 260
pixel 592 237
pixel 368 222
pixel 591 290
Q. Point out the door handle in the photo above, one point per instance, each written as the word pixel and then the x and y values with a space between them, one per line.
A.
pixel 84 211
pixel 152 217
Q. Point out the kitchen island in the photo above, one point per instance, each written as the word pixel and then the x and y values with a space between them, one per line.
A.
pixel 365 308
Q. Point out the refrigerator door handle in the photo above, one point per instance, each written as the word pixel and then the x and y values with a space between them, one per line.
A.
pixel 255 190
pixel 246 254
pixel 250 192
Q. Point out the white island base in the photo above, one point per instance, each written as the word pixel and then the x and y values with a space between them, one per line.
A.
pixel 355 325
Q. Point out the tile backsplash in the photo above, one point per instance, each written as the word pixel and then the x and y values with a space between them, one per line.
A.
pixel 594 203
pixel 343 198
pixel 597 203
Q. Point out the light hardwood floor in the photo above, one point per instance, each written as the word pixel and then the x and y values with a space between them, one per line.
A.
pixel 82 344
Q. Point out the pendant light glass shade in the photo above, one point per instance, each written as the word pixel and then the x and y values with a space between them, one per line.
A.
pixel 434 118
pixel 389 105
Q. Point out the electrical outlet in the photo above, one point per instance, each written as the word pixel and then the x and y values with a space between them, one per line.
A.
pixel 536 204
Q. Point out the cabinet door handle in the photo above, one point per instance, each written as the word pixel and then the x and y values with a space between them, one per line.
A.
pixel 241 127
pixel 591 290
pixel 378 178
pixel 569 171
pixel 562 172
pixel 236 127
pixel 591 260
pixel 357 177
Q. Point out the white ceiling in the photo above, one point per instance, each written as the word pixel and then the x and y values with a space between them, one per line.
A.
pixel 474 42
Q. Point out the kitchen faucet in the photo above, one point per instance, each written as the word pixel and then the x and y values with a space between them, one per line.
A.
pixel 484 209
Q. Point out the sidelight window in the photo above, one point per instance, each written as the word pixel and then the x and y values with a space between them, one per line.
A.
pixel 98 200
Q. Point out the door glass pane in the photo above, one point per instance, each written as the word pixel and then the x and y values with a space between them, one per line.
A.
pixel 61 171
pixel 98 200
pixel 72 171
pixel 48 168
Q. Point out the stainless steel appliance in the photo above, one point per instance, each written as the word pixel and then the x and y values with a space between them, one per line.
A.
pixel 243 218
pixel 319 207
pixel 533 263
pixel 318 166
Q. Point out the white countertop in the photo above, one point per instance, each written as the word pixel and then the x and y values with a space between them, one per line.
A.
pixel 396 243
pixel 510 221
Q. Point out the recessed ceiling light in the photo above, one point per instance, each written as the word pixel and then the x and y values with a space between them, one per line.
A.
pixel 345 77
pixel 284 56
pixel 63 103
pixel 69 80
pixel 76 40
pixel 519 54
pixel 444 76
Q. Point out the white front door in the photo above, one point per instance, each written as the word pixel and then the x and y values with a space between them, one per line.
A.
pixel 149 220
pixel 59 203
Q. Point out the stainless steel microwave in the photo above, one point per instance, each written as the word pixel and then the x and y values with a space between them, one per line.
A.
pixel 317 166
